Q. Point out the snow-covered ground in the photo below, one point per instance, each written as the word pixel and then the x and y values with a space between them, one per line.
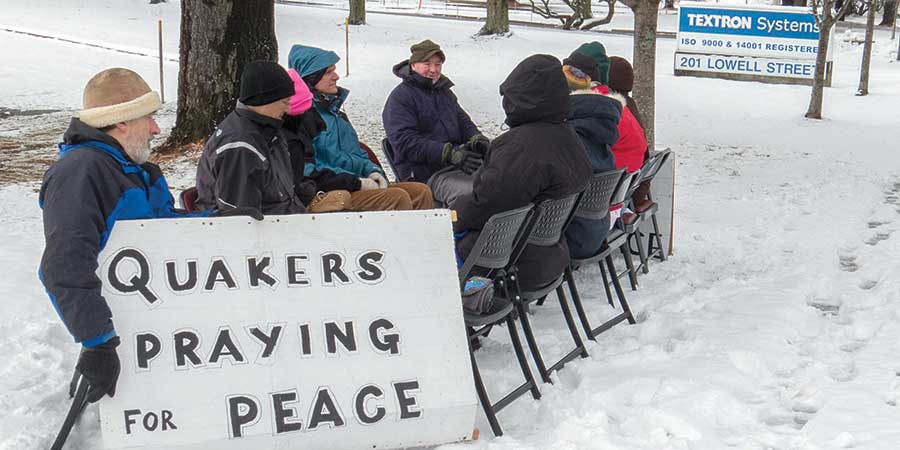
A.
pixel 775 325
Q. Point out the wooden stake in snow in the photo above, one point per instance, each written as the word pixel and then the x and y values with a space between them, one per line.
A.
pixel 162 90
pixel 347 44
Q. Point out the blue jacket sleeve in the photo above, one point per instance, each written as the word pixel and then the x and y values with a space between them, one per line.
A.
pixel 401 127
pixel 75 205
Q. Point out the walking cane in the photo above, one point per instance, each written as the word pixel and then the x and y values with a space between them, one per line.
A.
pixel 78 403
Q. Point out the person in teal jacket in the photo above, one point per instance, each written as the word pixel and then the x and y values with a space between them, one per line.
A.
pixel 337 148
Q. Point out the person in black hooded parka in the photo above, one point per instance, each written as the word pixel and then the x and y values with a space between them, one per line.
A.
pixel 539 158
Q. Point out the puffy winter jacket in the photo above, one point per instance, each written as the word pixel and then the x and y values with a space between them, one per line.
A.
pixel 539 158
pixel 629 150
pixel 246 164
pixel 93 185
pixel 300 131
pixel 595 118
pixel 337 147
pixel 419 117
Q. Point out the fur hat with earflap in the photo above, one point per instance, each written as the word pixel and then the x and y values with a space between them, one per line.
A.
pixel 117 95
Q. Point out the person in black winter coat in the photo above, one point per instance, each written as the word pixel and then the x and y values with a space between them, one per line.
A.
pixel 246 162
pixel 539 158
pixel 423 120
pixel 595 117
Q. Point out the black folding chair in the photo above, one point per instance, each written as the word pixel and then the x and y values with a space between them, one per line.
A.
pixel 389 154
pixel 650 207
pixel 627 185
pixel 548 225
pixel 594 204
pixel 493 252
pixel 632 222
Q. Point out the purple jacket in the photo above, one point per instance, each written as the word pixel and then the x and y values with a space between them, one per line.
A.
pixel 419 118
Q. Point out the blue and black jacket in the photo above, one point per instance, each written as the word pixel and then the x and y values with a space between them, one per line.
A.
pixel 93 185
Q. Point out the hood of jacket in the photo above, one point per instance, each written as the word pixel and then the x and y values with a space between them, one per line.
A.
pixel 80 133
pixel 595 116
pixel 404 71
pixel 535 91
pixel 307 60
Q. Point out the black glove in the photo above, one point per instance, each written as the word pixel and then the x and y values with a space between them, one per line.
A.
pixel 461 157
pixel 100 368
pixel 239 211
pixel 479 144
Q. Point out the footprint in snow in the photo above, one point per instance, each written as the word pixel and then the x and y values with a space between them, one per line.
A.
pixel 848 263
pixel 880 236
pixel 868 284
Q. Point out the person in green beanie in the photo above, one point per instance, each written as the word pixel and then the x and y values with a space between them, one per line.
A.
pixel 432 138
pixel 597 52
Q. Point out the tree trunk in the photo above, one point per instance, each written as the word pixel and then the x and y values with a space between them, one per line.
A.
pixel 867 51
pixel 890 13
pixel 646 15
pixel 217 39
pixel 818 89
pixel 497 20
pixel 357 12
pixel 586 12
pixel 670 4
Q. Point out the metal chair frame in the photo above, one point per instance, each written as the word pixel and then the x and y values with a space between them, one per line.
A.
pixel 493 250
pixel 546 228
pixel 604 189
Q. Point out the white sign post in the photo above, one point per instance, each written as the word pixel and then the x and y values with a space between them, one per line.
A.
pixel 334 331
pixel 771 44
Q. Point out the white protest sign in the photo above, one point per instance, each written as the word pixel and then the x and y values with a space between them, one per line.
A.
pixel 332 331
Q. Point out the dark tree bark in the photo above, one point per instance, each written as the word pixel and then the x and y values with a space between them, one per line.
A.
pixel 357 12
pixel 646 17
pixel 889 15
pixel 217 39
pixel 825 19
pixel 670 4
pixel 867 51
pixel 586 12
pixel 497 19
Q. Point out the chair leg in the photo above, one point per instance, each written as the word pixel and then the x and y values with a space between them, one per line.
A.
pixel 629 263
pixel 520 356
pixel 484 399
pixel 579 307
pixel 642 252
pixel 656 233
pixel 570 321
pixel 606 284
pixel 619 292
pixel 532 343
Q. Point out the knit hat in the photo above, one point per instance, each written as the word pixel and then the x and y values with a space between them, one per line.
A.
pixel 117 95
pixel 621 75
pixel 425 50
pixel 302 99
pixel 584 63
pixel 576 78
pixel 598 52
pixel 265 82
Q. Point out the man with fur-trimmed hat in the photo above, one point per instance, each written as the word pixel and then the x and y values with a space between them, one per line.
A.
pixel 102 176
pixel 432 137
